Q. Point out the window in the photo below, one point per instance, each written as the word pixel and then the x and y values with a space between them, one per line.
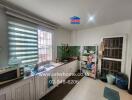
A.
pixel 28 43
pixel 44 45
pixel 23 42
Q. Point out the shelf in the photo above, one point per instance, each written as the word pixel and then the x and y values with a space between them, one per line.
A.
pixel 113 59
pixel 84 60
pixel 112 48
pixel 86 68
pixel 105 68
pixel 112 55
pixel 115 42
pixel 109 70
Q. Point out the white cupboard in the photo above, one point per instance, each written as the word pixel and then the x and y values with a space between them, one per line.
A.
pixel 73 67
pixel 36 87
pixel 5 94
pixel 41 84
pixel 23 90
pixel 58 75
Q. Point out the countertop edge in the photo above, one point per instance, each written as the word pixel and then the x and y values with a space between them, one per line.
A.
pixel 31 76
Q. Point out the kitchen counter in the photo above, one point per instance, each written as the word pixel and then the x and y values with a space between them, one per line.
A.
pixel 54 65
pixel 43 69
pixel 33 73
pixel 36 86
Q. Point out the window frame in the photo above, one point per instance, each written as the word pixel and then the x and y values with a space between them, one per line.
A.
pixel 51 32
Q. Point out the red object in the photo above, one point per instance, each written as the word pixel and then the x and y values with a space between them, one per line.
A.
pixel 75 20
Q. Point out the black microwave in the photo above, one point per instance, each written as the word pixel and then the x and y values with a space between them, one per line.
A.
pixel 11 74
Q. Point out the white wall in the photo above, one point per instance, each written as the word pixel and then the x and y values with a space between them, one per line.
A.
pixel 3 39
pixel 93 37
pixel 60 36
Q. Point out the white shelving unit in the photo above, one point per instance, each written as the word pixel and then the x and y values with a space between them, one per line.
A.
pixel 83 64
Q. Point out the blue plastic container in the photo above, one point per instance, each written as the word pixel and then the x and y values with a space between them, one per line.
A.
pixel 122 81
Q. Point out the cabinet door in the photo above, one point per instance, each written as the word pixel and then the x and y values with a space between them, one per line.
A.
pixel 41 86
pixel 23 90
pixel 5 94
pixel 67 70
pixel 57 78
pixel 73 66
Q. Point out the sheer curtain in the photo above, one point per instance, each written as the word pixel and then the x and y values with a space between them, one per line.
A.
pixel 44 45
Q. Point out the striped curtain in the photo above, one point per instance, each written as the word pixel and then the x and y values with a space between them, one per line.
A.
pixel 23 41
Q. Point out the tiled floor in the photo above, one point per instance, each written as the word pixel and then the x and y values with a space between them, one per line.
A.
pixel 90 89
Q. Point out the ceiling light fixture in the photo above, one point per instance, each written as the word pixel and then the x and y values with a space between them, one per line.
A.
pixel 91 18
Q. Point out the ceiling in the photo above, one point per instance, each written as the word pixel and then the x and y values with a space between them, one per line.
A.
pixel 60 11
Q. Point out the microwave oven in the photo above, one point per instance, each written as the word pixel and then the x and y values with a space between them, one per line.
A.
pixel 11 74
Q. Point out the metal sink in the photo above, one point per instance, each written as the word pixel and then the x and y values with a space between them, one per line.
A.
pixel 45 67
